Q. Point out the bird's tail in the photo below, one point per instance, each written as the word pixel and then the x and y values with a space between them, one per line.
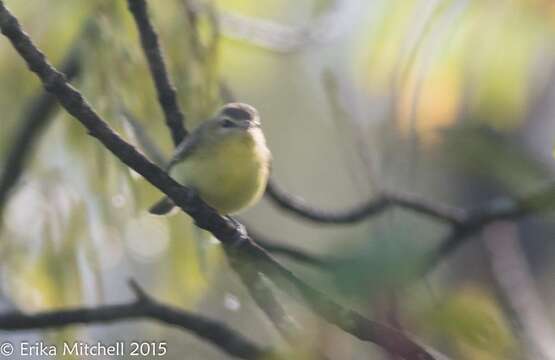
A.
pixel 162 207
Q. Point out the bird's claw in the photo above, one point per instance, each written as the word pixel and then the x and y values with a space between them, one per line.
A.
pixel 242 232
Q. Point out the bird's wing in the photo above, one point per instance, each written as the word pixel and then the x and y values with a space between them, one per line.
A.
pixel 183 150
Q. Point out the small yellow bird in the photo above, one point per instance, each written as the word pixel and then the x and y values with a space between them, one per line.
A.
pixel 225 160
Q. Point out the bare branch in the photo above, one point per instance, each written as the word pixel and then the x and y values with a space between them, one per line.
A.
pixel 297 206
pixel 441 212
pixel 166 92
pixel 350 321
pixel 205 217
pixel 145 307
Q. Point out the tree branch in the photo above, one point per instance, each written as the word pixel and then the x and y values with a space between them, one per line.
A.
pixel 166 92
pixel 295 205
pixel 464 223
pixel 205 217
pixel 144 307
pixel 350 321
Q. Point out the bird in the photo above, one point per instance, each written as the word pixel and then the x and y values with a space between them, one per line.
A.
pixel 225 160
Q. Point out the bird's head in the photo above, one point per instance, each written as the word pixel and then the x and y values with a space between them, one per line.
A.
pixel 233 121
pixel 237 117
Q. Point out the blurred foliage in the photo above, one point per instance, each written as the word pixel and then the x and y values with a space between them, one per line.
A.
pixel 470 320
pixel 345 116
pixel 507 163
pixel 458 57
pixel 366 269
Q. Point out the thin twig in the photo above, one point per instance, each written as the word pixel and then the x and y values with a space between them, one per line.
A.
pixel 144 307
pixel 166 92
pixel 297 206
pixel 205 217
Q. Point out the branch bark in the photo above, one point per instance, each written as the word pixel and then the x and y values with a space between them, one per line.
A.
pixel 372 207
pixel 166 91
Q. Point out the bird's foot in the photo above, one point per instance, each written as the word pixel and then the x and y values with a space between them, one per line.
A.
pixel 242 235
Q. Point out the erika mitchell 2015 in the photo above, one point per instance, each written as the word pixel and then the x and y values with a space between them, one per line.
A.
pixel 78 348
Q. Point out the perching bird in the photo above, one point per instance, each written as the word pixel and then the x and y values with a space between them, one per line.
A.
pixel 225 160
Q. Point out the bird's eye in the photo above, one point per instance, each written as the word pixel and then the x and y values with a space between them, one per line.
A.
pixel 227 123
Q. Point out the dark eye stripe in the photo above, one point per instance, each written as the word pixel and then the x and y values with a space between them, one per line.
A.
pixel 227 123
pixel 237 113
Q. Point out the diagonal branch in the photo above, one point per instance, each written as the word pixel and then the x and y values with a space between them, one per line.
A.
pixel 166 92
pixel 350 321
pixel 205 217
pixel 143 307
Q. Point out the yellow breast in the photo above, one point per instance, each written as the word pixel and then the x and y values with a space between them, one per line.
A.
pixel 229 175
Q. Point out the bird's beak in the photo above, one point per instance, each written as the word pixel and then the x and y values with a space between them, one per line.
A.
pixel 249 125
